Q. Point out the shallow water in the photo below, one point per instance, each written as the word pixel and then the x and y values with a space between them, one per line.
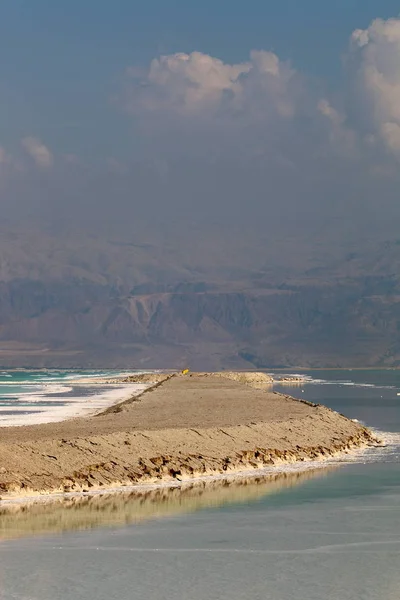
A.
pixel 43 396
pixel 334 536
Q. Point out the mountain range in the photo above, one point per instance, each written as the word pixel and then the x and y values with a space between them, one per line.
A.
pixel 74 300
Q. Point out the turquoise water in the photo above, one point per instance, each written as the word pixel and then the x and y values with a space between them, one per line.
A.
pixel 42 376
pixel 44 393
pixel 335 537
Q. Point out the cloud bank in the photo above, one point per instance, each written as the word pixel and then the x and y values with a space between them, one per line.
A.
pixel 375 63
pixel 197 84
pixel 266 94
pixel 254 143
pixel 40 154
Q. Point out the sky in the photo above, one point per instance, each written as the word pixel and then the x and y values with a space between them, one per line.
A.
pixel 248 113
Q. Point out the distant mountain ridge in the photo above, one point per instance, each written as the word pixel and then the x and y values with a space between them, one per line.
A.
pixel 99 303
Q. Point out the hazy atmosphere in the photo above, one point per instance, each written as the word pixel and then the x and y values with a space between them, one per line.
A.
pixel 199 300
pixel 149 146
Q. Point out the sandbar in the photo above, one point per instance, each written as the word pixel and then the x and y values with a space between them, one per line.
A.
pixel 181 428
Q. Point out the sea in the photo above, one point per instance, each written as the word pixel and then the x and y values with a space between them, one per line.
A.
pixel 330 533
pixel 45 396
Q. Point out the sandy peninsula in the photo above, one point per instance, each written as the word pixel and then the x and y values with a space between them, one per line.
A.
pixel 182 427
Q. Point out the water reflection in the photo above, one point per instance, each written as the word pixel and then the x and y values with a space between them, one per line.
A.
pixel 115 509
pixel 79 513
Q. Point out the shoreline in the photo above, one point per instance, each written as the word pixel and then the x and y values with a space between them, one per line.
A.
pixel 114 508
pixel 76 406
pixel 182 429
pixel 77 398
pixel 318 464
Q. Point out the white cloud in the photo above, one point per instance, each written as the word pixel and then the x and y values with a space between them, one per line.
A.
pixel 343 141
pixel 41 155
pixel 375 59
pixel 197 84
pixel 261 112
pixel 263 102
pixel 326 109
pixel 190 82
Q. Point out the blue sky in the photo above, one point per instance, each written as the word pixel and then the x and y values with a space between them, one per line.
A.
pixel 62 61
pixel 284 106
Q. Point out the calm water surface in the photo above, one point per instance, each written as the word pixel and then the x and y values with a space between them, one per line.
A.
pixel 331 537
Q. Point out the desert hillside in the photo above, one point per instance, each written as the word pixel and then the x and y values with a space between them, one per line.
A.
pixel 99 302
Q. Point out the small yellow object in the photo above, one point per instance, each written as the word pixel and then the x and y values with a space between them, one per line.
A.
pixel 185 371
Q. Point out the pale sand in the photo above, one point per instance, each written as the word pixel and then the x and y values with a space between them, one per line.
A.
pixel 184 427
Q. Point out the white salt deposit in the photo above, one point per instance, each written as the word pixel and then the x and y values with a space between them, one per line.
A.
pixel 53 402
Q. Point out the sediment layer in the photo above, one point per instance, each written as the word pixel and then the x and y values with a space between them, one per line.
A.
pixel 185 427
